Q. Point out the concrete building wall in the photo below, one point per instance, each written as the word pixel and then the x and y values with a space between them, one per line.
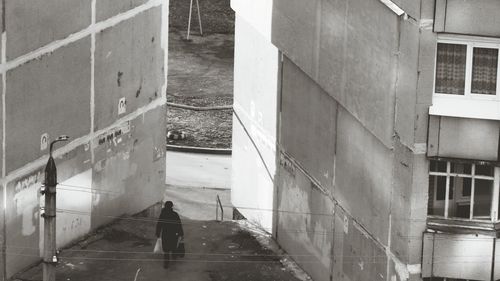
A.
pixel 94 70
pixel 349 123
pixel 255 103
pixel 459 16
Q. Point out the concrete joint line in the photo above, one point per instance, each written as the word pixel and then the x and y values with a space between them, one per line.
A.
pixel 81 141
pixel 92 29
pixel 92 80
pixel 164 44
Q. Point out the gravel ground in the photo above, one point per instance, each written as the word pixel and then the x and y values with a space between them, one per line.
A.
pixel 216 16
pixel 203 128
pixel 201 74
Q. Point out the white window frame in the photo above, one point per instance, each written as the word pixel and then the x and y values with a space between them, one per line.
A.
pixel 494 200
pixel 469 105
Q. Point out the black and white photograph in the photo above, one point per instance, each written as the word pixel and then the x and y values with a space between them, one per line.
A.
pixel 250 140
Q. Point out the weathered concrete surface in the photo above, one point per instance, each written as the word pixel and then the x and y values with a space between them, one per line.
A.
pixel 252 190
pixel 22 219
pixel 451 250
pixel 407 78
pixel 356 256
pixel 214 251
pixel 308 124
pixel 467 17
pixel 108 8
pixel 305 221
pixel 131 69
pixel 47 95
pixel 464 138
pixel 129 168
pixel 363 175
pixel 33 24
pixel 361 71
pixel 198 170
pixel 101 175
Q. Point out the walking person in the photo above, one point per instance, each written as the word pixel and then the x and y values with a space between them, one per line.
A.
pixel 169 228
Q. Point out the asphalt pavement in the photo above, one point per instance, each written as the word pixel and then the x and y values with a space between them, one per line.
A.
pixel 198 170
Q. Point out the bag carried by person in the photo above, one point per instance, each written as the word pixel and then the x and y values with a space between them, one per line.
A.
pixel 180 251
pixel 158 247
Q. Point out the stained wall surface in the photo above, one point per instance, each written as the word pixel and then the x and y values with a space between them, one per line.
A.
pixel 350 136
pixel 96 71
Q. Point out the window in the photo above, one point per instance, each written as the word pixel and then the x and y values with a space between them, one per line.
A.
pixel 466 78
pixel 463 190
pixel 452 64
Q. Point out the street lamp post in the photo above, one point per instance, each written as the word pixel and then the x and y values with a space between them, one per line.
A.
pixel 49 240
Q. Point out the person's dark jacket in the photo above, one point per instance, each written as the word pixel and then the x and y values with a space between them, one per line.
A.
pixel 170 228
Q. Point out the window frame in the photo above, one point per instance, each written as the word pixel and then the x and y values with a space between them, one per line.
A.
pixel 494 216
pixel 468 105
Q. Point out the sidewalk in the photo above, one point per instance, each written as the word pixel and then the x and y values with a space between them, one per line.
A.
pixel 214 251
pixel 198 170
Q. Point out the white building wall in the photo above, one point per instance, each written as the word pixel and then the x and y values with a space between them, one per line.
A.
pixel 255 104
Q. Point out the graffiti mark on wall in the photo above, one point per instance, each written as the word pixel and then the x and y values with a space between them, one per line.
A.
pixel 26 201
pixel 114 136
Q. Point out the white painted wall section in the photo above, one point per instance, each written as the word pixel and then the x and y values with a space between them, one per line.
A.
pixel 258 13
pixel 255 105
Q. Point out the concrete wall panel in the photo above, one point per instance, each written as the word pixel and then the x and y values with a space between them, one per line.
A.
pixel 256 65
pixel 401 200
pixel 363 175
pixel 47 95
pixel 32 24
pixel 129 64
pixel 334 43
pixel 458 256
pixel 469 138
pixel 252 191
pixel 108 8
pixel 129 171
pixel 256 88
pixel 294 31
pixel 305 223
pixel 362 258
pixel 308 124
pixel 467 17
pixel 418 204
pixel 24 225
pixel 407 83
pixel 22 221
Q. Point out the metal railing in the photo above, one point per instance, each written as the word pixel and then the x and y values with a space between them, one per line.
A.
pixel 218 205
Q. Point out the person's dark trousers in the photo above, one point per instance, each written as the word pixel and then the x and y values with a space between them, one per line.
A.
pixel 166 259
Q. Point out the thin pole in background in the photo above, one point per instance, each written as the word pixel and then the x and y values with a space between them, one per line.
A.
pixel 190 18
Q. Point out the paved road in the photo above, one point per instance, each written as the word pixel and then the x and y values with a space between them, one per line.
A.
pixel 198 170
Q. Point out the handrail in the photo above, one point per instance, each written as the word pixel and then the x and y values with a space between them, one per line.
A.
pixel 218 204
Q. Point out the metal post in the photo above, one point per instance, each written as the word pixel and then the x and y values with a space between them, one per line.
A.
pixel 49 240
pixel 199 16
pixel 189 22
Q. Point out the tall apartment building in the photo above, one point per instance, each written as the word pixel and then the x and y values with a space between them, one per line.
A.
pixel 366 135
pixel 94 70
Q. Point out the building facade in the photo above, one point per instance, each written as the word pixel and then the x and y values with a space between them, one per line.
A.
pixel 366 135
pixel 94 70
